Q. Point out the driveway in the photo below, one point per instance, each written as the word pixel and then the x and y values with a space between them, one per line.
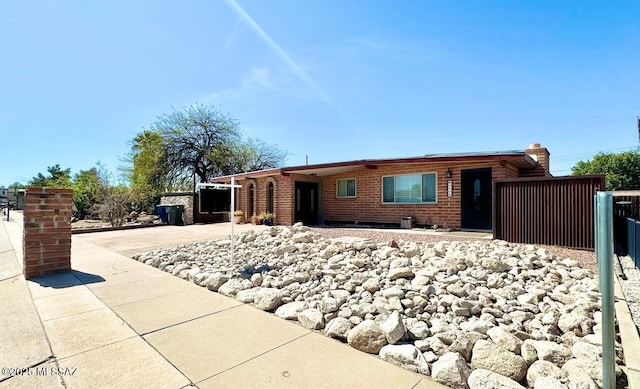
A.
pixel 141 240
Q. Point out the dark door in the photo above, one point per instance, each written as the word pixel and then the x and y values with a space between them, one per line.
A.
pixel 252 198
pixel 476 199
pixel 306 206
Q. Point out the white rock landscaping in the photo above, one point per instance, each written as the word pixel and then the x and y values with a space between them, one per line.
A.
pixel 477 314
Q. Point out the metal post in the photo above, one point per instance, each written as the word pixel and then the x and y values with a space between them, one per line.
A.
pixel 604 223
pixel 595 225
pixel 233 210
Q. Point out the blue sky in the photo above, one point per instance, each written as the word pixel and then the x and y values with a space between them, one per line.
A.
pixel 332 79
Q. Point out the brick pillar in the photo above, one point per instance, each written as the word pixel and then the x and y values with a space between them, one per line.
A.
pixel 47 231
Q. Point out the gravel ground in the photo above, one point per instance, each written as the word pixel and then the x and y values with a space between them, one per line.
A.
pixel 586 258
pixel 631 287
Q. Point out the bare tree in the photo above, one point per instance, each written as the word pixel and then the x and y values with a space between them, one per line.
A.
pixel 197 141
pixel 194 136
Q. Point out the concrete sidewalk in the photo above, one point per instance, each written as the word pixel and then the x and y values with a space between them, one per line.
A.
pixel 115 322
pixel 23 341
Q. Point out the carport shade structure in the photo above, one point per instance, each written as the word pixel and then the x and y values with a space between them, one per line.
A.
pixel 233 187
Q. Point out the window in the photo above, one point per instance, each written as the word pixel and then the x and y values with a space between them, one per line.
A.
pixel 409 189
pixel 270 197
pixel 252 197
pixel 347 188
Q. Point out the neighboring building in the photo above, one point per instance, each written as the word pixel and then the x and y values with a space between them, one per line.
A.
pixel 14 196
pixel 449 190
pixel 19 195
pixel 4 195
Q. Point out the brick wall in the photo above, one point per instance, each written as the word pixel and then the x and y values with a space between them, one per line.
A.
pixel 367 206
pixel 47 231
pixel 282 194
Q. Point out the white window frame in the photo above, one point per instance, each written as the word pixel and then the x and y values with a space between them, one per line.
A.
pixel 355 189
pixel 435 174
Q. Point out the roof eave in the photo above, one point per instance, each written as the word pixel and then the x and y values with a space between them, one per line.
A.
pixel 372 163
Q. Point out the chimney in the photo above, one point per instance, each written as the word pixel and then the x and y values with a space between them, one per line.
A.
pixel 541 155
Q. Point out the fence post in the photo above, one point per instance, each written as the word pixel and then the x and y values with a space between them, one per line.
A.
pixel 604 252
pixel 631 238
pixel 636 249
pixel 596 235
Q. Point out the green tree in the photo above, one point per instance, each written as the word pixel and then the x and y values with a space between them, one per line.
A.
pixel 149 167
pixel 148 170
pixel 621 170
pixel 18 185
pixel 86 192
pixel 56 178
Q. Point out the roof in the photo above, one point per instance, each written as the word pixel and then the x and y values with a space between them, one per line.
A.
pixel 517 157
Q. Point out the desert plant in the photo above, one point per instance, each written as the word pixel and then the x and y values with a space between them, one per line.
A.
pixel 267 218
pixel 238 216
pixel 114 207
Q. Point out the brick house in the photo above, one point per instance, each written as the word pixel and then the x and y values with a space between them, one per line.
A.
pixel 450 190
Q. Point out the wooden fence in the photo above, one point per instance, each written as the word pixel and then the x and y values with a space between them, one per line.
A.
pixel 553 211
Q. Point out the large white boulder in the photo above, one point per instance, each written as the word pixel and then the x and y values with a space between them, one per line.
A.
pixel 451 370
pixel 312 319
pixel 393 327
pixel 268 299
pixel 291 310
pixel 406 356
pixel 367 336
pixel 486 379
pixel 490 356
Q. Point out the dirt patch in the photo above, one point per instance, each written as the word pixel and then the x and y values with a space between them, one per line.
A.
pixel 100 224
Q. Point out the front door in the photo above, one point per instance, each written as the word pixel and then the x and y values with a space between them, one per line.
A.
pixel 306 205
pixel 476 199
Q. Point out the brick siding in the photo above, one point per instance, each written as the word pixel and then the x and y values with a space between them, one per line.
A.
pixel 367 206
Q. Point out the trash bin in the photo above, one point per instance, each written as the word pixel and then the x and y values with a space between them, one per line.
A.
pixel 174 213
pixel 179 216
pixel 162 212
pixel 406 222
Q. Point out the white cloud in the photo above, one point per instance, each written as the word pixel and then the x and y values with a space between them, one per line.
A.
pixel 402 49
pixel 256 82
pixel 290 64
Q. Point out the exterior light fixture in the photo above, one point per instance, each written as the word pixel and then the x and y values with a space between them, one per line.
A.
pixel 449 173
